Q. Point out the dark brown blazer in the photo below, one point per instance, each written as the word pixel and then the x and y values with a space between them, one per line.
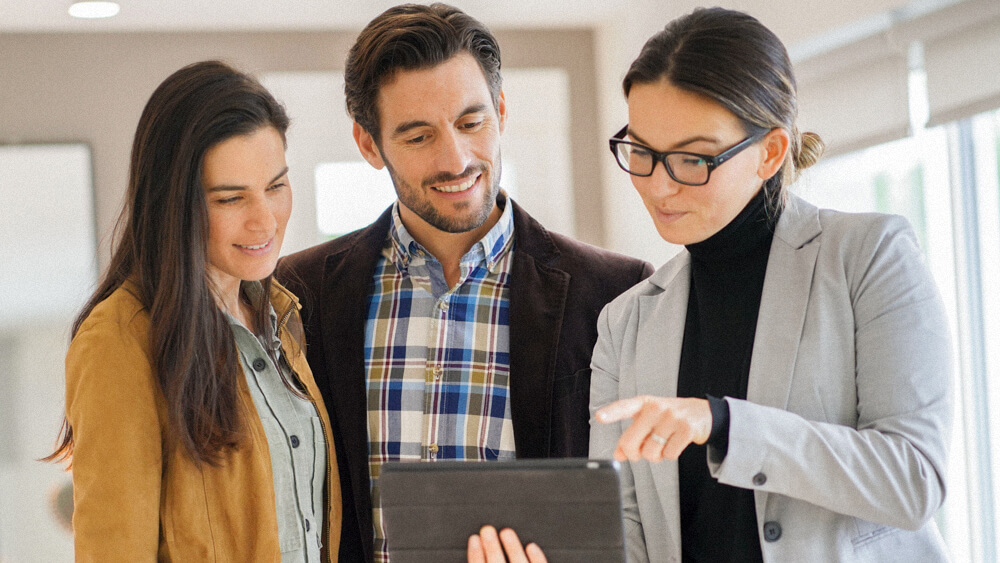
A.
pixel 558 288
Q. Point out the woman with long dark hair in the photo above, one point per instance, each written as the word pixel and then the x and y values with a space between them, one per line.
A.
pixel 779 390
pixel 194 426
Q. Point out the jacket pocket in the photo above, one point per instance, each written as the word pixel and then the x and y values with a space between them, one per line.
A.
pixel 869 532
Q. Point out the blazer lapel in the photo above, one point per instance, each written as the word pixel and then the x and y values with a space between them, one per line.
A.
pixel 661 328
pixel 783 304
pixel 537 301
pixel 661 334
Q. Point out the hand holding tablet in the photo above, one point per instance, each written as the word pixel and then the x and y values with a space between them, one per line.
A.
pixel 490 547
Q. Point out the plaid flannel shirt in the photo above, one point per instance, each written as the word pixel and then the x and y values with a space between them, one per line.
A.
pixel 437 359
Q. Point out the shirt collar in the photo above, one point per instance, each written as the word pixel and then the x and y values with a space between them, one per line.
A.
pixel 254 290
pixel 491 248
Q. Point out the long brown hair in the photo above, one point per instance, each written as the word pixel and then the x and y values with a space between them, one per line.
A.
pixel 736 61
pixel 162 248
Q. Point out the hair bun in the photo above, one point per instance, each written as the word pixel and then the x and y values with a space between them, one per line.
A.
pixel 811 147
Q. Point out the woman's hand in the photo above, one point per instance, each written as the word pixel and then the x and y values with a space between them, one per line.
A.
pixel 661 426
pixel 489 547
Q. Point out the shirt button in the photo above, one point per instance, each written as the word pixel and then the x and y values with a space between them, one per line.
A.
pixel 438 370
pixel 259 364
pixel 759 479
pixel 295 441
pixel 433 448
pixel 442 305
pixel 307 524
pixel 772 531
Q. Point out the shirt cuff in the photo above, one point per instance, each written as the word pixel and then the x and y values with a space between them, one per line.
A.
pixel 718 439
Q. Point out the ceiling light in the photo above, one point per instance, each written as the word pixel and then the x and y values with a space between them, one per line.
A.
pixel 91 10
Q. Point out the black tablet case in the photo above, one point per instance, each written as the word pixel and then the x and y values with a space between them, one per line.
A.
pixel 570 507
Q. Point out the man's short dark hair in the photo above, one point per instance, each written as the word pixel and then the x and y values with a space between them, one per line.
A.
pixel 412 37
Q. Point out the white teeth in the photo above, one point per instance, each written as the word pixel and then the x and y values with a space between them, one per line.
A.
pixel 457 187
pixel 257 247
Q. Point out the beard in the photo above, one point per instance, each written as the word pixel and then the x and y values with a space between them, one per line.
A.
pixel 464 216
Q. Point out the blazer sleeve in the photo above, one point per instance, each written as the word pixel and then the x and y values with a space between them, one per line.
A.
pixel 604 385
pixel 117 455
pixel 890 467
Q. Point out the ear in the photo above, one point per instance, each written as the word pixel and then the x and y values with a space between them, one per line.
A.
pixel 502 110
pixel 774 148
pixel 367 146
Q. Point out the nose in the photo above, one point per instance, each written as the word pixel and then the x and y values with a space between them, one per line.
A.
pixel 260 216
pixel 453 155
pixel 660 181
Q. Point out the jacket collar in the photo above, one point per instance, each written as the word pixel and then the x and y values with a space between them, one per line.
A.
pixel 798 224
pixel 283 301
pixel 532 238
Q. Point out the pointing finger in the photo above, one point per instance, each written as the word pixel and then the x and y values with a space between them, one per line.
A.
pixel 620 410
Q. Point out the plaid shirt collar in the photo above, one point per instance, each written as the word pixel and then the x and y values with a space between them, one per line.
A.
pixel 491 248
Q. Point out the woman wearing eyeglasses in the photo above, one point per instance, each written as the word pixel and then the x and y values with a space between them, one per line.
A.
pixel 779 389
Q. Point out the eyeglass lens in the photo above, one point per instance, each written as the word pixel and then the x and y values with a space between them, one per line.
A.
pixel 682 167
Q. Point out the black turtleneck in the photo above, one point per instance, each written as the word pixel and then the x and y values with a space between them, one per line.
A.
pixel 719 522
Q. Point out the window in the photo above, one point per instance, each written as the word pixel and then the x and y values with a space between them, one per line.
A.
pixel 945 180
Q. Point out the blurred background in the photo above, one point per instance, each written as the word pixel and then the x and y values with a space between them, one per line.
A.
pixel 905 92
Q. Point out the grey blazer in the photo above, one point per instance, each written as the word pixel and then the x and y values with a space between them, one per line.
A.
pixel 843 433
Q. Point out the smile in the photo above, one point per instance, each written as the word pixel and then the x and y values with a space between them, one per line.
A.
pixel 455 188
pixel 255 246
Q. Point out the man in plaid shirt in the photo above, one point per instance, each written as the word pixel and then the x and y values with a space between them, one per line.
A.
pixel 455 326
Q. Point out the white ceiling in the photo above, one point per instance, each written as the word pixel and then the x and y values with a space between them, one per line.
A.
pixel 795 21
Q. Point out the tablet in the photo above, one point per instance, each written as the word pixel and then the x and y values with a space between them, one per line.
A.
pixel 570 507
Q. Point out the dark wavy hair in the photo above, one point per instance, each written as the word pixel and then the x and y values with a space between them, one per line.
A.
pixel 734 60
pixel 411 37
pixel 162 249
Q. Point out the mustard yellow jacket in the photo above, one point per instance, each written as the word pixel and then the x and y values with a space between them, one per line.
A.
pixel 136 497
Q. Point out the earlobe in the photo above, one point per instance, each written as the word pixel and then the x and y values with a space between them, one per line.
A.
pixel 502 110
pixel 775 147
pixel 366 144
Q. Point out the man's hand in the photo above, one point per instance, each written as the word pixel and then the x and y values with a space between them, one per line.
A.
pixel 489 547
pixel 661 426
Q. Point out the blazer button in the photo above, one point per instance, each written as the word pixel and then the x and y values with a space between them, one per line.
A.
pixel 759 480
pixel 259 364
pixel 772 531
pixel 295 441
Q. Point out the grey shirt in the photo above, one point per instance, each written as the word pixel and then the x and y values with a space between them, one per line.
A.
pixel 294 438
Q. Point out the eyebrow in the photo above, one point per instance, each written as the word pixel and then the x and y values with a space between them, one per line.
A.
pixel 409 125
pixel 234 188
pixel 684 143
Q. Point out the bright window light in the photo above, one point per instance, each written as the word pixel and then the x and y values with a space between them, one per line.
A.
pixel 350 195
pixel 92 10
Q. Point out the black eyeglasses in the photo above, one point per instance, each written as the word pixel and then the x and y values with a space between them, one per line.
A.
pixel 691 169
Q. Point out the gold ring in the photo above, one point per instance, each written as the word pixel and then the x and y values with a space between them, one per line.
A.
pixel 658 439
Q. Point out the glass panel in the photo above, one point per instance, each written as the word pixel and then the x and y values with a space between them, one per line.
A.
pixel 945 181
